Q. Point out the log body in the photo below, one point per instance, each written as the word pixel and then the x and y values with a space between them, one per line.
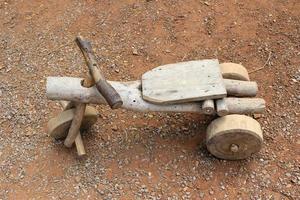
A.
pixel 70 89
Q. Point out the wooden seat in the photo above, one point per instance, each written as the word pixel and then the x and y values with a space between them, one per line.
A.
pixel 183 82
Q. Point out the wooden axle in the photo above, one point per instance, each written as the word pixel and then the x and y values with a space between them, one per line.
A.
pixel 70 89
pixel 240 88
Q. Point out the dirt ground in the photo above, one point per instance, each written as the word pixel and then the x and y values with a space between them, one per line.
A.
pixel 146 155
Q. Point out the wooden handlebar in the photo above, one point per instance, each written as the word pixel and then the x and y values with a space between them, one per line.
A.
pixel 107 91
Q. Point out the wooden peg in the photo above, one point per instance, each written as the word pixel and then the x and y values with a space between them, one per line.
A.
pixel 78 116
pixel 208 107
pixel 222 108
pixel 78 140
pixel 79 145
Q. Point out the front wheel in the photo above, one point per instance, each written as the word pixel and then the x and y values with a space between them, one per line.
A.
pixel 58 126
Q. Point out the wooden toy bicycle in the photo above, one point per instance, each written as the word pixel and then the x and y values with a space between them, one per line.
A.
pixel 201 86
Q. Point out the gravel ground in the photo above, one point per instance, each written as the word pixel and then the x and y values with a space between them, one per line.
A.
pixel 154 155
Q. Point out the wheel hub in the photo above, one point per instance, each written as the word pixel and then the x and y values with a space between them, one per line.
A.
pixel 234 148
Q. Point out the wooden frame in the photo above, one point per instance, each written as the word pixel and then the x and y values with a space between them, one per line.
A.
pixel 70 89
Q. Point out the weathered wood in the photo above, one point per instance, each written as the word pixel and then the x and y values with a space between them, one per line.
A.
pixel 241 88
pixel 70 89
pixel 234 137
pixel 79 112
pixel 245 105
pixel 234 71
pixel 184 82
pixel 67 105
pixel 76 123
pixel 59 125
pixel 64 104
pixel 78 140
pixel 222 108
pixel 208 107
pixel 79 145
pixel 107 91
pixel 88 81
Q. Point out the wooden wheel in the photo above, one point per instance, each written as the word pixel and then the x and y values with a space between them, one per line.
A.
pixel 234 137
pixel 59 125
pixel 234 71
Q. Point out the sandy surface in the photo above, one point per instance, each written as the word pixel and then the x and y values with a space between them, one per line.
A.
pixel 154 155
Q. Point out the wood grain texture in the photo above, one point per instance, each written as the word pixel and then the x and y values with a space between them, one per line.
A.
pixel 183 82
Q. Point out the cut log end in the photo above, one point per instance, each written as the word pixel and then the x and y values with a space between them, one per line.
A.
pixel 208 107
pixel 222 108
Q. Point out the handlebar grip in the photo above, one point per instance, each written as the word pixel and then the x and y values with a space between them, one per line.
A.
pixel 109 93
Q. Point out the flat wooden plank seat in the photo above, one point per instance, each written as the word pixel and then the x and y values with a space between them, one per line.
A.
pixel 184 82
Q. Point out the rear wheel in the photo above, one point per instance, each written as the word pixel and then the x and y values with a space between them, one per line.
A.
pixel 234 137
pixel 234 71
